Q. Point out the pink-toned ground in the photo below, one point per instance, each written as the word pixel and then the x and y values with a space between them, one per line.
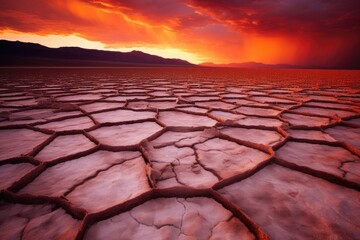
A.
pixel 161 153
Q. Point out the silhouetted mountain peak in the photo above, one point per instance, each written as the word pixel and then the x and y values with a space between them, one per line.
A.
pixel 16 53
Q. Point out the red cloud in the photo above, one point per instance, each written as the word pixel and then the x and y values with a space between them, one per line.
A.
pixel 174 14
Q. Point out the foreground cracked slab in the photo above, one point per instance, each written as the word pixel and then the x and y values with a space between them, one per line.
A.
pixel 98 106
pixel 64 177
pixel 35 116
pixel 113 186
pixel 172 218
pixel 310 134
pixel 10 173
pixel 174 118
pixel 198 159
pixel 174 160
pixel 257 111
pixel 126 134
pixel 16 142
pixel 122 115
pixel 226 159
pixel 260 136
pixel 305 120
pixel 326 112
pixel 291 205
pixel 345 134
pixel 323 158
pixel 258 121
pixel 36 222
pixel 63 146
pixel 68 124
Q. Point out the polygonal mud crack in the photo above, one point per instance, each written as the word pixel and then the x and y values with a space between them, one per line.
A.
pixel 111 187
pixel 321 158
pixel 260 121
pixel 80 97
pixel 15 142
pixel 173 166
pixel 288 204
pixel 172 218
pixel 324 111
pixel 223 115
pixel 18 221
pixel 97 106
pixel 215 104
pixel 346 134
pixel 35 116
pixel 226 159
pixel 310 134
pixel 10 173
pixel 260 136
pixel 198 159
pixel 304 120
pixel 257 111
pixel 151 104
pixel 79 123
pixel 63 146
pixel 126 134
pixel 64 177
pixel 122 115
pixel 173 160
pixel 175 118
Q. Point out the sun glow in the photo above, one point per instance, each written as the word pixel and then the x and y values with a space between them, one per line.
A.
pixel 55 41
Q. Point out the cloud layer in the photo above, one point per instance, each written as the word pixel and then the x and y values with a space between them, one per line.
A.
pixel 304 32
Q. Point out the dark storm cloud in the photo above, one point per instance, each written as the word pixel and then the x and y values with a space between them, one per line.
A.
pixel 285 16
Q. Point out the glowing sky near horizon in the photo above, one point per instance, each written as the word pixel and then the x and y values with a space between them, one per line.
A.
pixel 302 32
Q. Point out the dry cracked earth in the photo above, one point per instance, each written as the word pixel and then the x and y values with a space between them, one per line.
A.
pixel 112 157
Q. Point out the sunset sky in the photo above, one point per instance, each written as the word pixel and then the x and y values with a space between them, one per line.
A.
pixel 303 32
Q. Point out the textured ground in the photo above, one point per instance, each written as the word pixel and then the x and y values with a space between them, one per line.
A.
pixel 132 155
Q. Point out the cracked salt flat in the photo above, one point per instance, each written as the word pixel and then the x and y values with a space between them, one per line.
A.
pixel 130 155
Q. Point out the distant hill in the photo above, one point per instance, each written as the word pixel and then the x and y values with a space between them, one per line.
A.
pixel 249 65
pixel 15 53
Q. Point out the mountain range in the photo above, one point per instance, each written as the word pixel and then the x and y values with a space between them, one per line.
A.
pixel 21 54
pixel 249 65
pixel 15 53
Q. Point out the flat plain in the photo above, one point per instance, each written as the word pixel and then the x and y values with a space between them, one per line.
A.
pixel 179 153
